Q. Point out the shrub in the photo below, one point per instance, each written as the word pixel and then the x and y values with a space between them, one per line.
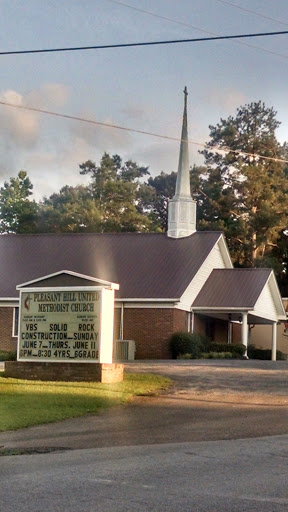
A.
pixel 6 355
pixel 184 356
pixel 263 353
pixel 236 349
pixel 217 355
pixel 183 343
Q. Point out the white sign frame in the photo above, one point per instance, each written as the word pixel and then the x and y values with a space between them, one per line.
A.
pixel 104 324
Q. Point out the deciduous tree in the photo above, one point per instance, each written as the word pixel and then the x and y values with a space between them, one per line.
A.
pixel 17 212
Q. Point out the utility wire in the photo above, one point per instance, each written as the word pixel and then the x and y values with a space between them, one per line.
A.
pixel 142 132
pixel 147 43
pixel 178 22
pixel 161 17
pixel 251 12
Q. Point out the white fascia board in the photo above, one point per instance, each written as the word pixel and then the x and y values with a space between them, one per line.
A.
pixel 6 302
pixel 270 294
pixel 146 303
pixel 225 251
pixel 113 286
pixel 146 300
pixel 276 294
pixel 60 288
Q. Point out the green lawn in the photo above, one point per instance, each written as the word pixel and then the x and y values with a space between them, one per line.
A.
pixel 24 403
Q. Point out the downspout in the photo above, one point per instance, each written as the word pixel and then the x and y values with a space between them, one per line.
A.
pixel 121 322
pixel 229 339
pixel 192 322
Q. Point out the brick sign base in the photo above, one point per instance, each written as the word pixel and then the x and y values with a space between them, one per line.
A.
pixel 74 372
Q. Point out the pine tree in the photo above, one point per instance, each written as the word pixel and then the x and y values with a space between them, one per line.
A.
pixel 249 190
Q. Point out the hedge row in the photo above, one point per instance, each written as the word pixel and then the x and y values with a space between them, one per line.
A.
pixel 263 354
pixel 193 346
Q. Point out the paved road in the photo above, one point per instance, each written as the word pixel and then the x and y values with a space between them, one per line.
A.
pixel 209 401
pixel 143 456
pixel 222 476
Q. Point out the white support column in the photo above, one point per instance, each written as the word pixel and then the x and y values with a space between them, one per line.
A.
pixel 274 341
pixel 245 331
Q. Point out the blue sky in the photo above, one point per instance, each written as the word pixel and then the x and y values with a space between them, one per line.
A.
pixel 140 88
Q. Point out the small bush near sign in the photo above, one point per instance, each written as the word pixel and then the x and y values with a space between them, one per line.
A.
pixel 8 355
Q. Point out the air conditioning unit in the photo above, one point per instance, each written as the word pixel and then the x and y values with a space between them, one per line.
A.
pixel 124 350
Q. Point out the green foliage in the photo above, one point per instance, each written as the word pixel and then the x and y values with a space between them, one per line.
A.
pixel 188 343
pixel 237 349
pixel 263 354
pixel 185 345
pixel 17 213
pixel 217 355
pixel 117 193
pixel 72 210
pixel 163 189
pixel 24 403
pixel 6 355
pixel 242 194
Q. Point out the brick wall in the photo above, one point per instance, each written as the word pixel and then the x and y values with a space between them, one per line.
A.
pixel 199 324
pixel 117 321
pixel 151 329
pixel 7 341
pixel 75 372
pixel 221 331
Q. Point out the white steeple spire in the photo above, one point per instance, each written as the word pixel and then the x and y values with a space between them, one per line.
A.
pixel 182 208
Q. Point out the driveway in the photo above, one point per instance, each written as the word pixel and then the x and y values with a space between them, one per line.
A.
pixel 209 400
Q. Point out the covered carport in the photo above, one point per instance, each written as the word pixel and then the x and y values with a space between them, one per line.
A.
pixel 246 296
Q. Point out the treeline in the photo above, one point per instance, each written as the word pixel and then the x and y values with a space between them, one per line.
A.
pixel 237 192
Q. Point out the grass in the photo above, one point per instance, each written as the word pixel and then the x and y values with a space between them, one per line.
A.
pixel 24 403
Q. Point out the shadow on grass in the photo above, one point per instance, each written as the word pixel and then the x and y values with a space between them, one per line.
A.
pixel 24 403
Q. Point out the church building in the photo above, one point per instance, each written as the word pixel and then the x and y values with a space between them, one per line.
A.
pixel 182 280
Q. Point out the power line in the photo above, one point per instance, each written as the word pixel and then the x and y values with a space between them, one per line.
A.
pixel 251 12
pixel 184 24
pixel 147 43
pixel 141 132
pixel 161 17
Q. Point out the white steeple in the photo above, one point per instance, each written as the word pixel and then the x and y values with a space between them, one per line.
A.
pixel 182 208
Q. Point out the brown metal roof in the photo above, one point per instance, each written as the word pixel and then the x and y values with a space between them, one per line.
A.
pixel 149 265
pixel 232 288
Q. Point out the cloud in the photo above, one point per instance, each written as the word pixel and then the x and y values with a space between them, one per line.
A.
pixel 22 127
pixel 105 138
pixel 17 125
pixel 227 99
pixel 48 95
pixel 134 112
pixel 50 170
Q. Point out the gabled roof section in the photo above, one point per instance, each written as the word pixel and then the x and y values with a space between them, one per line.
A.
pixel 146 265
pixel 73 277
pixel 232 288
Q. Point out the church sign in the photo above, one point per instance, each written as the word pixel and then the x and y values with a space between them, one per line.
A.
pixel 66 324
